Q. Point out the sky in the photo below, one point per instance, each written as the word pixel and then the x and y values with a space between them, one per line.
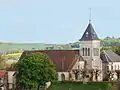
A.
pixel 56 21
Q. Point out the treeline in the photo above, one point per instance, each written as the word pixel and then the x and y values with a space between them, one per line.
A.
pixel 106 42
pixel 110 41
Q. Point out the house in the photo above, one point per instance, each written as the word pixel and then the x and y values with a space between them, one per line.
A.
pixel 2 80
pixel 9 77
pixel 111 62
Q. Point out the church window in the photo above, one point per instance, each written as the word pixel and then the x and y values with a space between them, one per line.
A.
pixel 115 67
pixel 88 51
pixel 111 67
pixel 107 67
pixel 85 51
pixel 96 51
pixel 118 67
pixel 62 77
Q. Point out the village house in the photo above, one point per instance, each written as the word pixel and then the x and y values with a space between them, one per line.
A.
pixel 111 62
pixel 2 80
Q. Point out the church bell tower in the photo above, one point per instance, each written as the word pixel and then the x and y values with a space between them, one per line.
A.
pixel 90 48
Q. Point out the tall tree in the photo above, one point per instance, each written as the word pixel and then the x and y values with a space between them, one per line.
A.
pixel 3 59
pixel 116 49
pixel 35 70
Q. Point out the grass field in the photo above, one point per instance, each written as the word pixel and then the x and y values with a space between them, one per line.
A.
pixel 26 46
pixel 80 86
pixel 15 55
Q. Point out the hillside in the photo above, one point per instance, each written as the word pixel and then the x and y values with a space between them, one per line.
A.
pixel 6 47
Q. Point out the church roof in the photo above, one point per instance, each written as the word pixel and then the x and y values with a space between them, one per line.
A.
pixel 64 60
pixel 89 34
pixel 109 56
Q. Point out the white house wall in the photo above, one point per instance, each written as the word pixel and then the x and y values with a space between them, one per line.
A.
pixel 116 65
pixel 10 78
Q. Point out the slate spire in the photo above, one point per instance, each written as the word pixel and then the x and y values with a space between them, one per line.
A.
pixel 89 34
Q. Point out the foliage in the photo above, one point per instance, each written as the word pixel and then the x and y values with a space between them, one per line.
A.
pixel 34 70
pixel 116 49
pixel 15 54
pixel 112 86
pixel 2 61
pixel 106 48
pixel 118 74
pixel 72 85
pixel 18 47
pixel 109 41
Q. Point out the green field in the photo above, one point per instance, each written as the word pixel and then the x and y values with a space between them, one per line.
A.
pixel 26 46
pixel 15 55
pixel 9 46
pixel 80 86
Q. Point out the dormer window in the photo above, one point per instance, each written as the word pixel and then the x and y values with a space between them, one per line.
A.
pixel 86 34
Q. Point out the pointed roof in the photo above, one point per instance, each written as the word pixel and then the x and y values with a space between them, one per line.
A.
pixel 89 34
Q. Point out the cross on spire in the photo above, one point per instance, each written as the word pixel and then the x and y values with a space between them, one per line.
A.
pixel 90 16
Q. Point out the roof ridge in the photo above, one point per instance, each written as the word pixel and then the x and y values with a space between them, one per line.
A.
pixel 109 56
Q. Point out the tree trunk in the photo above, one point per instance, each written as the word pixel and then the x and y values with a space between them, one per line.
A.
pixel 29 88
pixel 38 87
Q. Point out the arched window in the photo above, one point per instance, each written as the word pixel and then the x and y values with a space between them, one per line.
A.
pixel 111 67
pixel 85 51
pixel 118 67
pixel 88 51
pixel 115 67
pixel 62 77
pixel 107 67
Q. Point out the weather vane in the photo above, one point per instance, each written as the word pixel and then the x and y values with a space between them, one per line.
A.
pixel 90 16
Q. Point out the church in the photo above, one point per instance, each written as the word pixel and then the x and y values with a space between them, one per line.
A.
pixel 69 63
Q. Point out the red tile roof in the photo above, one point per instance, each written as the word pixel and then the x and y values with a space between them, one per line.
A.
pixel 2 74
pixel 63 59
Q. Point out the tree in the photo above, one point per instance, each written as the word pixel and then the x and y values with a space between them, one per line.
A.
pixel 76 73
pixel 118 74
pixel 34 70
pixel 105 48
pixel 3 59
pixel 116 49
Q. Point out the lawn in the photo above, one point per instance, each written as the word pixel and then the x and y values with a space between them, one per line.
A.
pixel 80 86
pixel 15 55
